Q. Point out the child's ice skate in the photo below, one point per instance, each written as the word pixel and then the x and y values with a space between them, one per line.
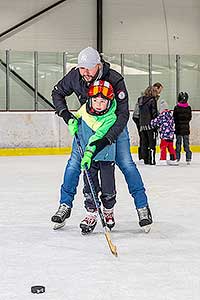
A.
pixel 188 161
pixel 162 162
pixel 88 224
pixel 109 217
pixel 173 162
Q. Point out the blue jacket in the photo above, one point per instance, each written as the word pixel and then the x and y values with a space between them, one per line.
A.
pixel 92 128
pixel 107 154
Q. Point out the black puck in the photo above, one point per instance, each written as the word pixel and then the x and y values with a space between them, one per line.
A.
pixel 37 289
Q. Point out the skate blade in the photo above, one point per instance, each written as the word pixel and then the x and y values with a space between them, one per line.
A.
pixel 172 163
pixel 146 228
pixel 59 225
pixel 110 227
pixel 86 231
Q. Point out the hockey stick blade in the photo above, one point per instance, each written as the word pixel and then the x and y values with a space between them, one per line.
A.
pixel 112 247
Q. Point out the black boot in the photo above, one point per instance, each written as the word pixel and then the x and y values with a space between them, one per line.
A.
pixel 172 157
pixel 144 215
pixel 152 157
pixel 140 153
pixel 63 212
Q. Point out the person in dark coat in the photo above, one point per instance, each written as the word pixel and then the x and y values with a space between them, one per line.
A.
pixel 157 87
pixel 182 116
pixel 147 111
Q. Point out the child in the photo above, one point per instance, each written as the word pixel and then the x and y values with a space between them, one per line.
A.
pixel 165 123
pixel 97 116
pixel 182 117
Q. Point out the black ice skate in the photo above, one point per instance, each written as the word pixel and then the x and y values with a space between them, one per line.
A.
pixel 188 161
pixel 109 217
pixel 145 218
pixel 88 224
pixel 64 212
pixel 173 162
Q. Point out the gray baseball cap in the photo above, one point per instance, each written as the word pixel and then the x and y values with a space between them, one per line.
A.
pixel 88 58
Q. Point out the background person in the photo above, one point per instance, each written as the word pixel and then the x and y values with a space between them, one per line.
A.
pixel 165 123
pixel 148 134
pixel 158 87
pixel 182 116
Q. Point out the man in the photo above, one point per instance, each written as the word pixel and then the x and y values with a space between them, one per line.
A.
pixel 91 68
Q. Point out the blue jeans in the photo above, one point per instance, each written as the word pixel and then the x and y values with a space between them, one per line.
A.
pixel 186 147
pixel 123 160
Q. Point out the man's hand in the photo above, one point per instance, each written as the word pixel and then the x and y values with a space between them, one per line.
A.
pixel 86 160
pixel 66 115
pixel 73 126
pixel 100 144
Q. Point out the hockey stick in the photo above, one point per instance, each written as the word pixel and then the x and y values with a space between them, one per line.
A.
pixel 112 247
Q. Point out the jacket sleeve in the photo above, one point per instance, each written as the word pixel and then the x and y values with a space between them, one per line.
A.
pixel 122 111
pixel 62 89
pixel 175 114
pixel 190 114
pixel 155 122
pixel 154 109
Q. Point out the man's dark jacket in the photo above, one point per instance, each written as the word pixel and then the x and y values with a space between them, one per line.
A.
pixel 147 111
pixel 73 82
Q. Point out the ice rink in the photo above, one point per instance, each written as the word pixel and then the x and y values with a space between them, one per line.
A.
pixel 161 265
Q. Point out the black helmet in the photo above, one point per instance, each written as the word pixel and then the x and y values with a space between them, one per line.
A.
pixel 183 97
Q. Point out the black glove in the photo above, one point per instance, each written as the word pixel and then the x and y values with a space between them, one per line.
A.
pixel 66 115
pixel 100 144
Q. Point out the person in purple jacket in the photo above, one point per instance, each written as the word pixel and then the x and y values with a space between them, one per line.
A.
pixel 165 123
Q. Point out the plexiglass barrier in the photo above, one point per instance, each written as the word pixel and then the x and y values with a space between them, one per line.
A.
pixel 27 78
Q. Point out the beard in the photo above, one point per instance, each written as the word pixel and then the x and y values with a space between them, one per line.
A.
pixel 90 78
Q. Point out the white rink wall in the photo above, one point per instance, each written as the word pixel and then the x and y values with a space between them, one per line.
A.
pixel 45 129
pixel 32 130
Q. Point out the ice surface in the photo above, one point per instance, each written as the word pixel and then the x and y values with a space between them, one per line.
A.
pixel 161 265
